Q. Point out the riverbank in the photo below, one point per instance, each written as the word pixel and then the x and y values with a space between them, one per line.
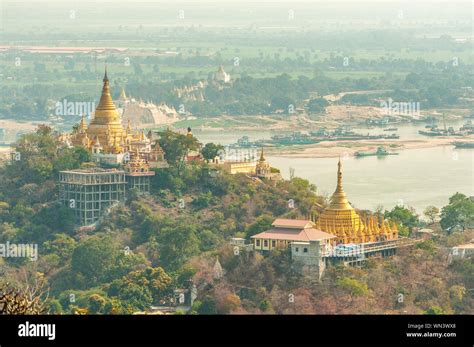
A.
pixel 331 149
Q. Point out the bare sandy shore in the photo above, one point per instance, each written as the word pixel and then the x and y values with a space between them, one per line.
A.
pixel 11 124
pixel 330 149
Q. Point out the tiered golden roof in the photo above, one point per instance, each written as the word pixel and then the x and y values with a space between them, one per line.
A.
pixel 138 166
pixel 106 127
pixel 342 220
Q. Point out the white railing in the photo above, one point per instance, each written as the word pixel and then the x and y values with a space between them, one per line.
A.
pixel 363 248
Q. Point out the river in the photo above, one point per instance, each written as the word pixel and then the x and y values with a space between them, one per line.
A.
pixel 415 177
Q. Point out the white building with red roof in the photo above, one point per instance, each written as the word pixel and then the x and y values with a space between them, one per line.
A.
pixel 286 231
pixel 308 244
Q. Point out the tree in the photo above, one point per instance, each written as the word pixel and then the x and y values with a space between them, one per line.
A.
pixel 302 185
pixel 458 213
pixel 70 64
pixel 135 295
pixel 125 262
pixel 284 103
pixel 431 212
pixel 62 246
pixel 71 158
pixel 155 279
pixel 94 257
pixel 405 217
pixel 177 244
pixel 137 69
pixel 317 105
pixel 355 287
pixel 261 224
pixel 208 306
pixel 435 310
pixel 211 150
pixel 229 303
pixel 56 217
pixel 265 305
pixel 96 303
pixel 176 146
pixel 55 307
pixel 31 298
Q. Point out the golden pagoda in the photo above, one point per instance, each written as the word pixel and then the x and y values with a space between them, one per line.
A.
pixel 262 168
pixel 107 124
pixel 105 133
pixel 342 220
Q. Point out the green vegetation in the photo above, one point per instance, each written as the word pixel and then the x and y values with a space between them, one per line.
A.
pixel 171 238
pixel 406 219
pixel 266 78
pixel 458 214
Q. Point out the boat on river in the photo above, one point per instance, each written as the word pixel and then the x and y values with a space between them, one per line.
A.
pixel 380 152
pixel 463 144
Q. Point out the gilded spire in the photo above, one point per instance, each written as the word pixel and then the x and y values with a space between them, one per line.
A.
pixel 342 220
pixel 339 199
pixel 106 111
pixel 106 79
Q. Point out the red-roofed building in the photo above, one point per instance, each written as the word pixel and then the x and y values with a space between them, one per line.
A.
pixel 308 244
pixel 286 231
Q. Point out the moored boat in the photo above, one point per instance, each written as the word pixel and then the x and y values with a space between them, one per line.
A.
pixel 380 152
pixel 463 144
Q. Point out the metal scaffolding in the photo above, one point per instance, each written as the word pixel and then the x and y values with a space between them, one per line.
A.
pixel 90 192
pixel 139 180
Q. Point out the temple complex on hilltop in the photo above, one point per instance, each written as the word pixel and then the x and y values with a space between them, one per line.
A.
pixel 107 139
pixel 90 192
pixel 342 220
pixel 338 235
pixel 260 168
pixel 264 170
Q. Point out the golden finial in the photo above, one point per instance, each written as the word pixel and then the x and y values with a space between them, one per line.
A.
pixel 339 199
pixel 106 79
pixel 339 174
pixel 106 111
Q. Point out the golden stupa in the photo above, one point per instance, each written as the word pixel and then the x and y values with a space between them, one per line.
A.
pixel 262 168
pixel 342 220
pixel 107 139
pixel 105 133
pixel 107 124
